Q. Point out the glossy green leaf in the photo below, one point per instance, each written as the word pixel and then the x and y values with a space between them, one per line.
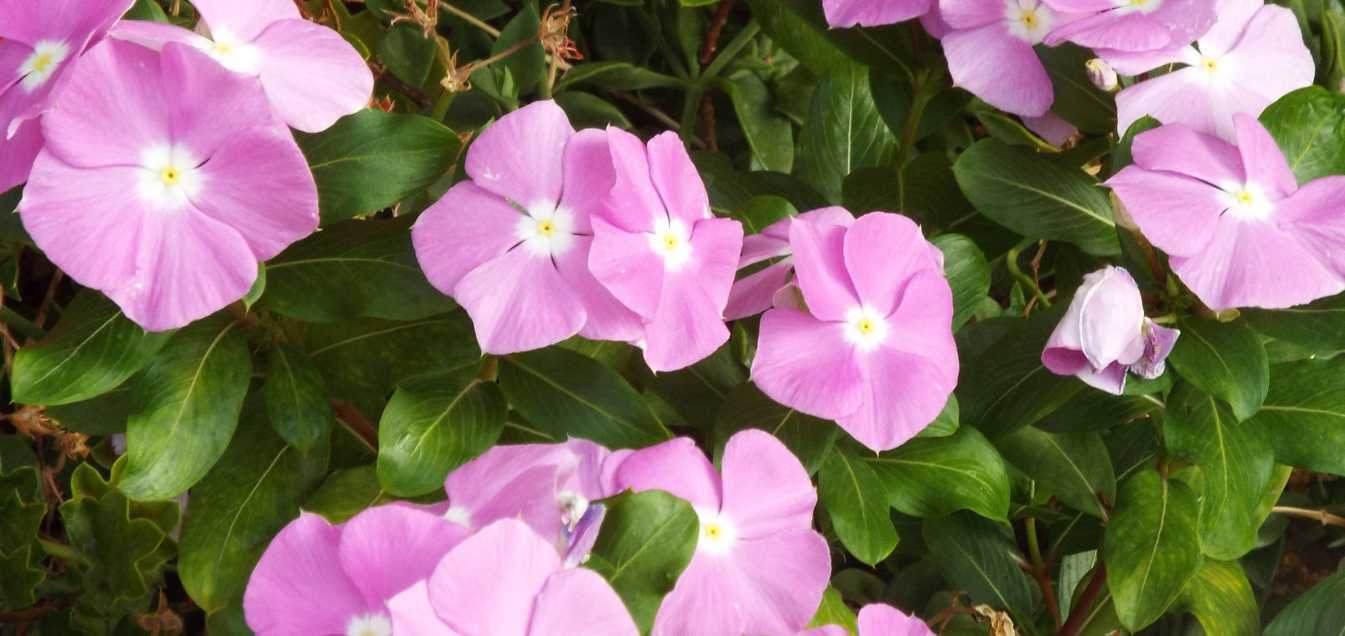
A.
pixel 978 555
pixel 1152 547
pixel 858 506
pixel 933 477
pixel 1005 387
pixel 808 437
pixel 646 540
pixel 769 134
pixel 296 398
pixel 346 493
pixel 615 75
pixel 1076 99
pixel 1304 414
pixel 968 274
pixel 111 542
pixel 433 425
pixel 1074 467
pixel 1309 126
pixel 1226 360
pixel 1319 611
pixel 1319 325
pixel 843 133
pixel 1221 599
pixel 833 611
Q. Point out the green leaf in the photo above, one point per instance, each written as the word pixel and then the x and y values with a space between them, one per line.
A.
pixel 19 519
pixel 615 75
pixel 769 134
pixel 433 425
pixel 1005 387
pixel 834 611
pixel 808 437
pixel 1121 156
pixel 112 543
pixel 18 578
pixel 565 394
pixel 1235 463
pixel 646 540
pixel 799 29
pixel 407 53
pixel 698 391
pixel 296 398
pixel 1319 325
pixel 189 398
pixel 1304 414
pixel 1221 599
pixel 1036 197
pixel 147 10
pixel 858 507
pixel 843 132
pixel 357 269
pixel 977 555
pixel 252 492
pixel 1319 611
pixel 346 493
pixel 1076 99
pixel 92 350
pixel 1152 547
pixel 372 159
pixel 933 477
pixel 968 273
pixel 1309 126
pixel 1075 467
pixel 1226 360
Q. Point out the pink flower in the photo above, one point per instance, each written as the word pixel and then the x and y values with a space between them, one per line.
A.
pixel 848 13
pixel 507 581
pixel 759 568
pixel 1133 25
pixel 989 43
pixel 316 578
pixel 1236 226
pixel 1104 334
pixel 1051 128
pixel 1251 57
pixel 877 619
pixel 311 74
pixel 165 182
pixel 512 244
pixel 754 293
pixel 874 350
pixel 39 44
pixel 658 249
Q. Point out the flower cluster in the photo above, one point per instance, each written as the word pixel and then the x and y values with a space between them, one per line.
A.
pixel 158 164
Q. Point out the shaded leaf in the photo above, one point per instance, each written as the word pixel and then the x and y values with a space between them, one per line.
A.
pixel 977 555
pixel 433 425
pixel 1226 360
pixel 296 398
pixel 858 507
pixel 843 132
pixel 646 540
pixel 1074 467
pixel 1221 599
pixel 1152 547
pixel 933 477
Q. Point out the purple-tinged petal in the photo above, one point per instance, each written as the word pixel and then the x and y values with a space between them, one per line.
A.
pixel 1313 216
pixel 1158 343
pixel 766 489
pixel 934 23
pixel 386 549
pixel 765 246
pixel 312 75
pixel 1227 30
pixel 807 365
pixel 1182 150
pixel 1051 127
pixel 29 22
pixel 882 252
pixel 715 247
pixel 623 262
pixel 787 573
pixel 1261 157
pixel 752 294
pixel 1176 213
pixel 1138 62
pixel 1269 59
pixel 235 103
pixel 819 266
pixel 518 301
pixel 848 13
pixel 634 203
pixel 1110 316
pixel 245 20
pixel 588 475
pixel 687 327
pixel 154 35
pixel 709 599
pixel 676 180
pixel 12 56
pixel 826 630
pixel 999 68
pixel 299 587
pixel 676 466
pixel 512 482
pixel 608 319
pixel 877 619
pixel 486 585
pixel 1255 264
pixel 1111 379
pixel 965 15
pixel 589 176
pixel 520 157
pixel 413 615
pixel 580 599
pixel 18 153
pixel 1181 97
pixel 462 231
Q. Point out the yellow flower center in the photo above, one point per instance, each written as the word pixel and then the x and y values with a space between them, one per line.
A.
pixel 1211 64
pixel 170 176
pixel 42 62
pixel 866 326
pixel 546 228
pixel 1244 197
pixel 223 48
pixel 713 531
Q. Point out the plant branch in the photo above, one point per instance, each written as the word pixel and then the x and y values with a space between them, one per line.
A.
pixel 470 19
pixel 1079 615
pixel 1322 516
pixel 1041 571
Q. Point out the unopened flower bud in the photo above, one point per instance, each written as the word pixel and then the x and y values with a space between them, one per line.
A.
pixel 1101 74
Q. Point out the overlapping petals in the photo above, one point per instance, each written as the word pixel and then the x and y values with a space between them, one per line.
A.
pixel 848 13
pixel 1133 25
pixel 755 292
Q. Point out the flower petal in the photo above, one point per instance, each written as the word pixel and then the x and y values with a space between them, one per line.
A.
pixel 1261 157
pixel 787 572
pixel 882 252
pixel 513 482
pixel 634 202
pixel 1183 150
pixel 462 231
pixel 1255 264
pixel 1176 213
pixel 520 157
pixel 608 319
pixel 687 327
pixel 999 68
pixel 245 20
pixel 235 103
pixel 675 178
pixel 848 13
pixel 18 153
pixel 299 587
pixel 819 266
pixel 676 466
pixel 589 176
pixel 877 618
pixel 413 615
pixel 519 302
pixel 312 75
pixel 752 294
pixel 580 599
pixel 622 261
pixel 1180 97
pixel 386 549
pixel 1313 216
pixel 807 365
pixel 486 585
pixel 766 489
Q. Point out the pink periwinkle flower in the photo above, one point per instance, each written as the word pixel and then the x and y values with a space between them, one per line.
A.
pixel 1133 25
pixel 1104 334
pixel 848 13
pixel 39 43
pixel 311 74
pixel 759 568
pixel 164 182
pixel 316 578
pixel 877 619
pixel 1052 128
pixel 507 581
pixel 659 250
pixel 874 348
pixel 512 244
pixel 755 293
pixel 1252 56
pixel 1238 229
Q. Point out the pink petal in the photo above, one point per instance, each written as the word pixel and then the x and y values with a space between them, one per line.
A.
pixel 1227 30
pixel 1110 315
pixel 18 153
pixel 819 265
pixel 1313 216
pixel 245 20
pixel 1176 213
pixel 752 294
pixel 963 15
pixel 608 319
pixel 1111 378
pixel 877 619
pixel 1180 149
pixel 589 176
pixel 387 549
pixel 882 252
pixel 29 22
pixel 312 75
pixel 154 35
pixel 413 615
pixel 1000 69
pixel 487 584
pixel 580 598
pixel 766 489
pixel 235 103
pixel 299 587
pixel 716 245
pixel 1270 59
pixel 1179 97
pixel 513 482
pixel 519 302
pixel 520 157
pixel 787 573
pixel 1254 264
pixel 903 394
pixel 589 478
pixel 634 202
pixel 770 243
pixel 462 231
pixel 623 262
pixel 1261 157
pixel 709 599
pixel 1138 62
pixel 806 364
pixel 676 180
pixel 676 466
pixel 1081 6
pixel 826 630
pixel 848 13
pixel 1051 127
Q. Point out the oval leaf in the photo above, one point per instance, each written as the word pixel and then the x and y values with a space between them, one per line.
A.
pixel 858 507
pixel 1304 414
pixel 932 477
pixel 433 425
pixel 1152 547
pixel 646 540
pixel 1226 360
pixel 1075 467
pixel 977 555
pixel 296 398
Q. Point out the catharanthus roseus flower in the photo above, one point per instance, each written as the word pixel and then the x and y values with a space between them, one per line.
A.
pixel 1238 229
pixel 1252 56
pixel 165 182
pixel 1104 334
pixel 512 244
pixel 874 349
pixel 753 294
pixel 759 568
pixel 660 251
pixel 39 43
pixel 848 13
pixel 1052 128
pixel 1133 25
pixel 316 578
pixel 311 74
pixel 877 619
pixel 507 581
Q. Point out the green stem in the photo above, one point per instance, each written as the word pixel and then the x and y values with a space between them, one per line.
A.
pixel 1011 261
pixel 20 325
pixel 730 51
pixel 59 550
pixel 470 19
pixel 690 108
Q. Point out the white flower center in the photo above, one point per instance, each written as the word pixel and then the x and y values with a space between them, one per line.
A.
pixel 1137 6
pixel 168 177
pixel 718 533
pixel 458 515
pixel 231 52
pixel 671 240
pixel 572 507
pixel 1028 20
pixel 1248 202
pixel 369 625
pixel 547 230
pixel 42 63
pixel 865 328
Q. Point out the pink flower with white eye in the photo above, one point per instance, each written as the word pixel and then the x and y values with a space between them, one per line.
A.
pixel 874 348
pixel 660 251
pixel 311 74
pixel 167 184
pixel 1252 56
pixel 759 568
pixel 507 581
pixel 1238 229
pixel 848 13
pixel 754 293
pixel 877 619
pixel 1133 25
pixel 39 43
pixel 512 244
pixel 316 578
